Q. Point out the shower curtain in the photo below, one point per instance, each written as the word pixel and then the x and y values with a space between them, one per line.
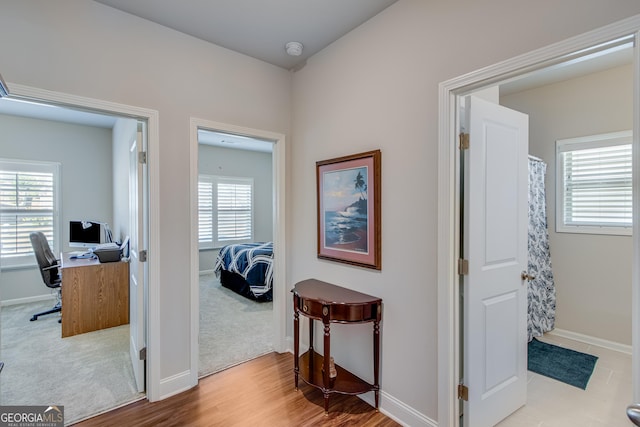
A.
pixel 541 290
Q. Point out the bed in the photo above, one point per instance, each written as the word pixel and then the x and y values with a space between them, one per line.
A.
pixel 247 269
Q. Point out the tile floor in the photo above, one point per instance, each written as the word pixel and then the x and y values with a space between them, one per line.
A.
pixel 551 403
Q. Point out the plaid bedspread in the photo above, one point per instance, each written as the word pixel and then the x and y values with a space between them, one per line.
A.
pixel 253 261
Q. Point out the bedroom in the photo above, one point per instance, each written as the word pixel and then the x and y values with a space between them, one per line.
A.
pixel 232 317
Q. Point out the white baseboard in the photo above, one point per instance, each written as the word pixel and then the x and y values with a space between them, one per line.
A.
pixel 399 411
pixel 17 301
pixel 389 405
pixel 288 343
pixel 175 384
pixel 610 345
pixel 203 272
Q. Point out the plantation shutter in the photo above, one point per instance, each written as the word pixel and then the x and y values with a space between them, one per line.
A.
pixel 234 210
pixel 27 204
pixel 597 184
pixel 225 210
pixel 205 210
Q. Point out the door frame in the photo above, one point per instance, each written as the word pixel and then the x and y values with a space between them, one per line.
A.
pixel 279 240
pixel 449 191
pixel 153 375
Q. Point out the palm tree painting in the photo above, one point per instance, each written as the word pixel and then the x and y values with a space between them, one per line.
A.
pixel 345 209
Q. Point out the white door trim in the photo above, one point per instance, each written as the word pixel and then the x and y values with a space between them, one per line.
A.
pixel 448 196
pixel 151 116
pixel 279 241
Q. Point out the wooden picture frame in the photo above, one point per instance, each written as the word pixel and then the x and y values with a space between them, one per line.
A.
pixel 348 201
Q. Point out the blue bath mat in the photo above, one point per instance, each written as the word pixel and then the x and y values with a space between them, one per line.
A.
pixel 562 364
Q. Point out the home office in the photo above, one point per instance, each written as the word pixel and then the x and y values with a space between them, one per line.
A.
pixel 93 283
pixel 90 179
pixel 79 176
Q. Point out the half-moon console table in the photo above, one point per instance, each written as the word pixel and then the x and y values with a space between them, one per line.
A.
pixel 333 304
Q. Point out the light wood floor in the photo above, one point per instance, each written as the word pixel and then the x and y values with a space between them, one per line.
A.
pixel 256 393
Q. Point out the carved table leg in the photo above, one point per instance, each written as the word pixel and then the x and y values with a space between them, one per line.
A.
pixel 296 342
pixel 326 362
pixel 376 360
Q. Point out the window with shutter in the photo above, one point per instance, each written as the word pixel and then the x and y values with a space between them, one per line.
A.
pixel 28 202
pixel 594 184
pixel 225 210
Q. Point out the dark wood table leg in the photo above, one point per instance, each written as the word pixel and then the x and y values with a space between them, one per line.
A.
pixel 326 364
pixel 296 343
pixel 376 361
pixel 312 351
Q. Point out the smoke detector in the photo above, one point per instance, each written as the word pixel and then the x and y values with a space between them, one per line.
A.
pixel 294 48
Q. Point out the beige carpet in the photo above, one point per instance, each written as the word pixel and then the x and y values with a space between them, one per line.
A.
pixel 87 373
pixel 91 373
pixel 233 329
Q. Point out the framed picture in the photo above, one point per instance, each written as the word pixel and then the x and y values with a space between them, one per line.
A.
pixel 349 209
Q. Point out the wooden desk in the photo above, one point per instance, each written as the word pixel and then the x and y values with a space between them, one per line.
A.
pixel 330 303
pixel 94 295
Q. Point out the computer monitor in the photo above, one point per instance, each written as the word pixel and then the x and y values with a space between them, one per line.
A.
pixel 85 234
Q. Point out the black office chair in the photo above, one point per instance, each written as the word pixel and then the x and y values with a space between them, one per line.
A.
pixel 48 265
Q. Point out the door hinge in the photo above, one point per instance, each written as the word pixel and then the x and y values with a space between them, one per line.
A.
pixel 464 141
pixel 143 353
pixel 142 256
pixel 463 392
pixel 142 157
pixel 463 267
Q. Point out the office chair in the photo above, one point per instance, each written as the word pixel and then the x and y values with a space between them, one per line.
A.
pixel 48 265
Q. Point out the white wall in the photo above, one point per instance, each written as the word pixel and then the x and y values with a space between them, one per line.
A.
pixel 84 48
pixel 592 272
pixel 377 87
pixel 84 153
pixel 248 164
pixel 125 132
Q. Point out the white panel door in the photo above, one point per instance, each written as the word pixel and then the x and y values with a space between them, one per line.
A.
pixel 137 242
pixel 495 213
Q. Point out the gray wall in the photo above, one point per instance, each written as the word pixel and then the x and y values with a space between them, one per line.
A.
pixel 124 133
pixel 84 48
pixel 84 153
pixel 592 272
pixel 241 163
pixel 376 87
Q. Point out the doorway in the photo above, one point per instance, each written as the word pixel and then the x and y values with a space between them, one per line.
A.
pixel 144 124
pixel 449 312
pixel 235 242
pixel 200 127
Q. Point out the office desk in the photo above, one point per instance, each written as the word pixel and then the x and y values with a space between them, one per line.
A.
pixel 94 295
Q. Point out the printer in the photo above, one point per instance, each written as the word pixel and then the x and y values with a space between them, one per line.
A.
pixel 108 252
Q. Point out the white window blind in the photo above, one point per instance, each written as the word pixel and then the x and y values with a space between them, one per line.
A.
pixel 595 174
pixel 28 202
pixel 205 211
pixel 225 210
pixel 234 210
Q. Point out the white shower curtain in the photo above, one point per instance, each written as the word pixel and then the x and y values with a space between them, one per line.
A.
pixel 541 290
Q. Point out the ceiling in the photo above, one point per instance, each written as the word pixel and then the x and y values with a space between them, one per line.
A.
pixel 615 56
pixel 259 28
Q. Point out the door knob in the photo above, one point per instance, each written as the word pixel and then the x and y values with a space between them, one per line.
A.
pixel 526 276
